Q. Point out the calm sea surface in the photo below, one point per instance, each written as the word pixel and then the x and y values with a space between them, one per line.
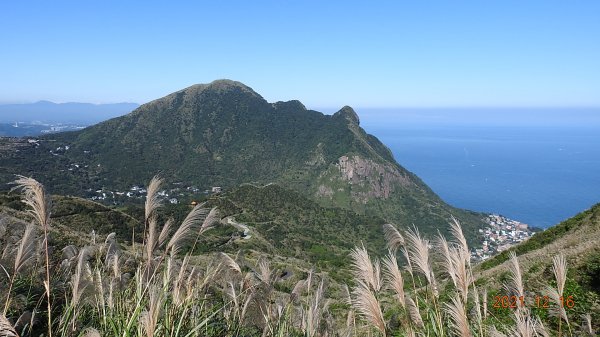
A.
pixel 537 175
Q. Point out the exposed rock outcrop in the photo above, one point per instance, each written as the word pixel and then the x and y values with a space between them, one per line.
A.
pixel 367 179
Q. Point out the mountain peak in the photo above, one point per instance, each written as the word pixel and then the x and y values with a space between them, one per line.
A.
pixel 347 113
pixel 220 86
pixel 44 102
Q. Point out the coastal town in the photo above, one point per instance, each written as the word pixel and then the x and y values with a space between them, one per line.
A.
pixel 500 234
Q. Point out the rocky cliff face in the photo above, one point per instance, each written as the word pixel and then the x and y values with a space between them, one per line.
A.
pixel 377 180
pixel 362 180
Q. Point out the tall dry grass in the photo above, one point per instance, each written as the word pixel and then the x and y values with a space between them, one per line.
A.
pixel 462 309
pixel 419 288
pixel 34 195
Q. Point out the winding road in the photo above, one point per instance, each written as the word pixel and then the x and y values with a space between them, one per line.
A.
pixel 246 231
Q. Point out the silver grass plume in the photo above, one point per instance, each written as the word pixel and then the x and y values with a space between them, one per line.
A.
pixel 477 309
pixel 350 318
pixel 36 198
pixel 515 284
pixel 149 318
pixel 394 277
pixel 179 286
pixel 413 312
pixel 70 252
pixel 7 329
pixel 100 292
pixel 153 201
pixel 297 291
pixel 559 266
pixel 587 320
pixel 265 274
pixel 151 237
pixel 309 279
pixel 230 263
pixel 458 317
pixel 418 251
pixel 555 298
pixel 196 215
pixel 250 290
pixel 493 332
pixel 393 237
pixel 164 232
pixel 81 278
pixel 460 260
pixel 447 261
pixel 26 248
pixel 190 284
pixel 367 306
pixel 25 252
pixel 485 303
pixel 524 325
pixel 409 266
pixel 111 247
pixel 315 311
pixel 457 233
pixel 91 332
pixel 363 268
pixel 210 220
pixel 539 328
pixel 231 292
pixel 377 275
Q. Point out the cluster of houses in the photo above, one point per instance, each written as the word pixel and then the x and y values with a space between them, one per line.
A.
pixel 501 234
pixel 172 196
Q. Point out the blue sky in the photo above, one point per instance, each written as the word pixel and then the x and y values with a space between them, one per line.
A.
pixel 326 54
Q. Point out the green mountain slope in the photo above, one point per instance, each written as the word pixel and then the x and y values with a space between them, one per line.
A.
pixel 224 134
pixel 280 223
pixel 286 223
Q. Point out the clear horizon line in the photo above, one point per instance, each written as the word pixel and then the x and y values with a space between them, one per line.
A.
pixel 335 108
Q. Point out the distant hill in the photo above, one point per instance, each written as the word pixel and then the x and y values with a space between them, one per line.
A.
pixel 65 113
pixel 21 130
pixel 225 134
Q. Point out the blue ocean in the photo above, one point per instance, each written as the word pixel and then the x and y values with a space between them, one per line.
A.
pixel 537 173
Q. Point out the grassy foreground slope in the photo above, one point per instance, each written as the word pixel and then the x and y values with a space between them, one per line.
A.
pixel 578 240
pixel 102 286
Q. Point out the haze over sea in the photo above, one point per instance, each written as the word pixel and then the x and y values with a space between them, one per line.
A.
pixel 538 166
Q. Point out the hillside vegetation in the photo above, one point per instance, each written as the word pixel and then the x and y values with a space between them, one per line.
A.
pixel 225 134
pixel 103 286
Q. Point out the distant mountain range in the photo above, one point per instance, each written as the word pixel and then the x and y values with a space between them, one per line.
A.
pixel 64 113
pixel 225 134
